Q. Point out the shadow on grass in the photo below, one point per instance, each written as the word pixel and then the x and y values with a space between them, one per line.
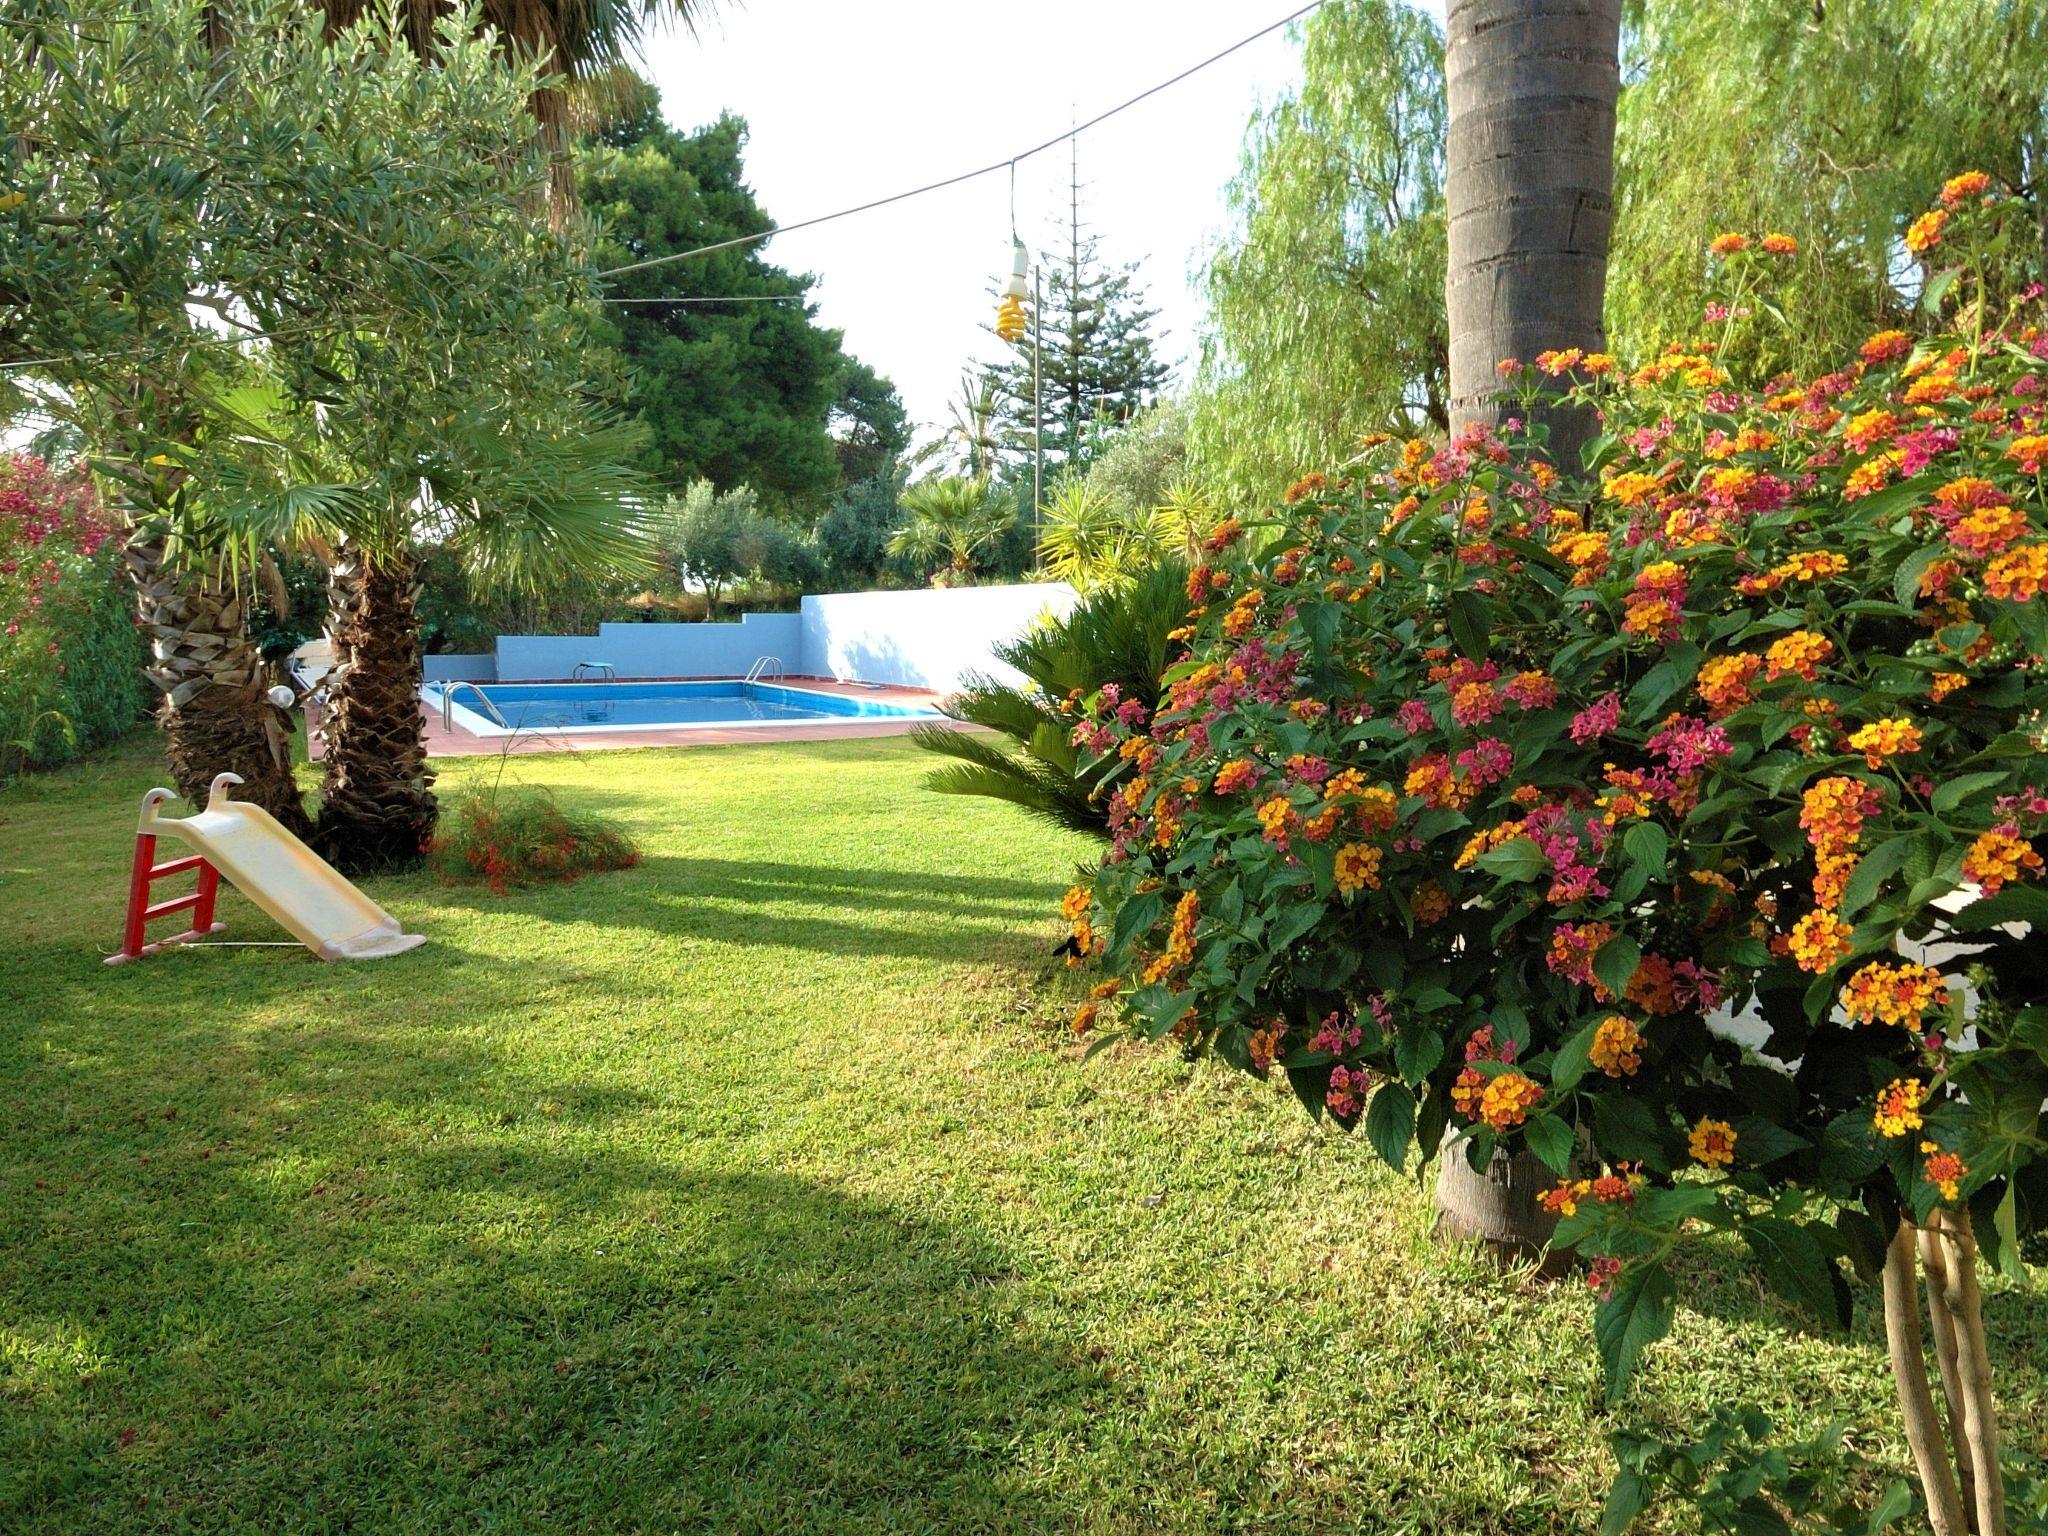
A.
pixel 898 913
pixel 377 1306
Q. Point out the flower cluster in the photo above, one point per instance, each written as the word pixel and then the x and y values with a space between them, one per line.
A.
pixel 1537 771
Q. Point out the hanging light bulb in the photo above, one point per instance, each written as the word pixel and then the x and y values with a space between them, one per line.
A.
pixel 1010 322
pixel 1020 263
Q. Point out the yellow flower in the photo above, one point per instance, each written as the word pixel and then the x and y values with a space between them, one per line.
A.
pixel 1893 994
pixel 1358 864
pixel 1617 1046
pixel 1884 739
pixel 1898 1107
pixel 1712 1143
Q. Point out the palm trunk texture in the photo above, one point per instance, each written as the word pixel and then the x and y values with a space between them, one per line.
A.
pixel 377 807
pixel 1529 191
pixel 214 714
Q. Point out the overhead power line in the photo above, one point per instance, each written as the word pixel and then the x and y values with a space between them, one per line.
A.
pixel 990 169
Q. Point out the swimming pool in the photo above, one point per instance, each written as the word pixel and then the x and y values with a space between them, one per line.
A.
pixel 634 706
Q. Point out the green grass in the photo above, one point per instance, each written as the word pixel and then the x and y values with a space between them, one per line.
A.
pixel 756 1188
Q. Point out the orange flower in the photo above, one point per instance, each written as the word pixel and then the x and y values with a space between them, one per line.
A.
pixel 1617 1046
pixel 1633 488
pixel 1869 428
pixel 2029 452
pixel 1987 531
pixel 1780 245
pixel 1507 1100
pixel 1884 739
pixel 1925 233
pixel 1898 1107
pixel 1801 653
pixel 1893 994
pixel 1724 681
pixel 1728 244
pixel 1431 903
pixel 1999 856
pixel 1712 1143
pixel 1886 347
pixel 1944 1170
pixel 1819 941
pixel 1358 864
pixel 1958 190
pixel 2018 575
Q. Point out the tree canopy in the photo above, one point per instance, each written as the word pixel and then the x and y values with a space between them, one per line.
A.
pixel 746 388
pixel 1326 297
pixel 1821 122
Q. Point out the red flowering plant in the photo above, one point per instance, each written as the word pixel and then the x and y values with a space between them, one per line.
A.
pixel 1482 789
pixel 55 591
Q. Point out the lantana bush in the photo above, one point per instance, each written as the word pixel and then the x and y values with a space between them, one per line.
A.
pixel 1672 817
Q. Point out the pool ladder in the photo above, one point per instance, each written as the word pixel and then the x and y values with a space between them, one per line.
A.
pixel 448 692
pixel 763 665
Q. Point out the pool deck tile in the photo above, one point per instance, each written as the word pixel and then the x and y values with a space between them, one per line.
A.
pixel 461 743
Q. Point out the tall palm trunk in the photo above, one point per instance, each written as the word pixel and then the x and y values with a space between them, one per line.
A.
pixel 1529 191
pixel 377 808
pixel 214 715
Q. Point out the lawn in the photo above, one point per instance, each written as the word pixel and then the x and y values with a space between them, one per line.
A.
pixel 757 1188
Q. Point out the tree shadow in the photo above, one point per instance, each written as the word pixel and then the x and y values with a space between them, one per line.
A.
pixel 362 1300
pixel 882 912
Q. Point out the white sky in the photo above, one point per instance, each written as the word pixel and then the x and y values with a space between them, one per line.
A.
pixel 849 100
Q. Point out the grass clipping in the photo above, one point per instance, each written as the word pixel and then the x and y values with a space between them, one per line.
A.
pixel 504 839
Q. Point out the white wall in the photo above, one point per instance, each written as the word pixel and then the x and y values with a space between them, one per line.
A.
pixel 654 650
pixel 931 638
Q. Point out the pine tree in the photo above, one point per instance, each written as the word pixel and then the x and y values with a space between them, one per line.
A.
pixel 1099 365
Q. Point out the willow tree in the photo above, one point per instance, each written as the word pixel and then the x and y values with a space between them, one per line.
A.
pixel 1529 188
pixel 1326 297
pixel 1822 122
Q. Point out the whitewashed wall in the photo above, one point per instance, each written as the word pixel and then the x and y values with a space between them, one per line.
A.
pixel 931 638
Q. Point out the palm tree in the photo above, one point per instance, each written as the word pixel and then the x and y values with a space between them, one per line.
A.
pixel 577 41
pixel 1116 635
pixel 954 517
pixel 518 507
pixel 1528 190
pixel 1529 194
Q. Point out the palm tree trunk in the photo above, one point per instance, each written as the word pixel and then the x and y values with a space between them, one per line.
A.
pixel 1529 192
pixel 377 809
pixel 214 714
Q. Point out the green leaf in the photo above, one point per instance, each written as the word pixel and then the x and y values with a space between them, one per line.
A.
pixel 1796 1266
pixel 1469 622
pixel 1569 1064
pixel 1418 1052
pixel 1617 962
pixel 1636 1314
pixel 1906 580
pixel 1848 1153
pixel 1390 1123
pixel 1955 791
pixel 1135 917
pixel 1886 859
pixel 1552 1141
pixel 1627 1498
pixel 1518 859
pixel 1759 1142
pixel 1647 844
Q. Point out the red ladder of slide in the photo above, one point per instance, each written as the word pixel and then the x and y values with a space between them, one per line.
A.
pixel 141 912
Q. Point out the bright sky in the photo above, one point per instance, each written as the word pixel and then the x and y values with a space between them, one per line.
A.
pixel 849 100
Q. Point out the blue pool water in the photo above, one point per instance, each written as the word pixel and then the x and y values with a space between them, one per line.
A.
pixel 620 706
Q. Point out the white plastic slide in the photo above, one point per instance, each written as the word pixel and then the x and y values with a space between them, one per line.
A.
pixel 282 876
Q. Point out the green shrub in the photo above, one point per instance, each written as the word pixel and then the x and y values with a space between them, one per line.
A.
pixel 70 659
pixel 490 837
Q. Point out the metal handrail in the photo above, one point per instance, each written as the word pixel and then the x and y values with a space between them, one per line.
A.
pixel 448 692
pixel 576 672
pixel 761 665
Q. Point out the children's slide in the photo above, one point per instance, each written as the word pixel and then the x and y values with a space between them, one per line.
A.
pixel 245 845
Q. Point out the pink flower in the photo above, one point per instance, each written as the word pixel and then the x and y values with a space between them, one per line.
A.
pixel 1596 720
